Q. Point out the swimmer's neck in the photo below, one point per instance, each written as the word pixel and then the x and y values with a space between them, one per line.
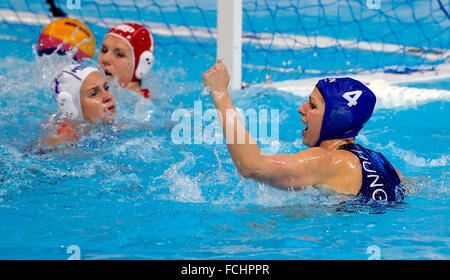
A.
pixel 333 144
pixel 134 86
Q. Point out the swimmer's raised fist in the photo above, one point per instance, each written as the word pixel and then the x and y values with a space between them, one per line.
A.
pixel 217 78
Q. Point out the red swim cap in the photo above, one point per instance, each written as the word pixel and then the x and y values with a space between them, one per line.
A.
pixel 141 44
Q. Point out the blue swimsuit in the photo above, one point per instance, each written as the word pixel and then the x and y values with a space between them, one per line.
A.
pixel 379 178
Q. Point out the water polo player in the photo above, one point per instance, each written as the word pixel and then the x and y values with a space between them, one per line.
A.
pixel 127 54
pixel 65 35
pixel 82 95
pixel 334 114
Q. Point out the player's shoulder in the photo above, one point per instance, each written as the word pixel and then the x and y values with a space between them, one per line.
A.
pixel 325 158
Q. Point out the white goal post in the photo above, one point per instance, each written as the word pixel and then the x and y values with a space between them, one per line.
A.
pixel 229 39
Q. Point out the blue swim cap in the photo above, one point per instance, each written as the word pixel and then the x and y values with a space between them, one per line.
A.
pixel 348 105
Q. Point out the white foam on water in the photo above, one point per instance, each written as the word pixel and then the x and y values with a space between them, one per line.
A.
pixel 413 159
pixel 182 187
pixel 410 157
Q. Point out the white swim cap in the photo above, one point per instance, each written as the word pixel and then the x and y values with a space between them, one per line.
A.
pixel 66 90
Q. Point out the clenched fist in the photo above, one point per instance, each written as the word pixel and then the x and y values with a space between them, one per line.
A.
pixel 217 78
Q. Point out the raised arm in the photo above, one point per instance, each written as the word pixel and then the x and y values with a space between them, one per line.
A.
pixel 310 167
pixel 244 151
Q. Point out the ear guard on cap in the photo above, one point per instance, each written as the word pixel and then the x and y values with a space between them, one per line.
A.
pixel 145 64
pixel 66 106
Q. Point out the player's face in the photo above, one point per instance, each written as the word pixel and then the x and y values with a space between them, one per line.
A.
pixel 116 59
pixel 312 115
pixel 97 102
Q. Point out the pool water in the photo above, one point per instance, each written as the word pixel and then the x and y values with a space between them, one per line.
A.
pixel 126 191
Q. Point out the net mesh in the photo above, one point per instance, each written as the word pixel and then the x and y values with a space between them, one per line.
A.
pixel 284 39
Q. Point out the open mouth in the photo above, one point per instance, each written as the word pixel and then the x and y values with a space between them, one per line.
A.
pixel 304 131
pixel 112 108
pixel 108 74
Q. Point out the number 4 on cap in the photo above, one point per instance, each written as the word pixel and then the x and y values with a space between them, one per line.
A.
pixel 352 97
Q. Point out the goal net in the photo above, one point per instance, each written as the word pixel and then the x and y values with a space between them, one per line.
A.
pixel 281 39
